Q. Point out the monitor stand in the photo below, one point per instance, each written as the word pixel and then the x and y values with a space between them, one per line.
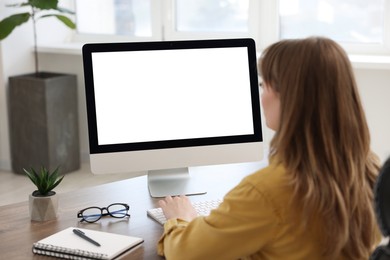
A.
pixel 172 182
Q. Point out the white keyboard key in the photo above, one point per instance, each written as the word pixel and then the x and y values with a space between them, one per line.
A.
pixel 203 208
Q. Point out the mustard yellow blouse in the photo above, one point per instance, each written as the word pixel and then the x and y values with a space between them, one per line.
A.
pixel 255 221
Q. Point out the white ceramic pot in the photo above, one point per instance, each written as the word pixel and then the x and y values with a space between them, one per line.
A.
pixel 43 208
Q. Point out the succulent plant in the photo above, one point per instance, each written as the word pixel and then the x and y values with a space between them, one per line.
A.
pixel 44 180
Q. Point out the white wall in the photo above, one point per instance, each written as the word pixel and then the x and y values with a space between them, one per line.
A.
pixel 374 88
pixel 16 58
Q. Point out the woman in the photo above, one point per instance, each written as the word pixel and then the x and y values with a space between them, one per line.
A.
pixel 315 199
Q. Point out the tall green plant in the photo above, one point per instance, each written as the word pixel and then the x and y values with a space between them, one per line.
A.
pixel 38 9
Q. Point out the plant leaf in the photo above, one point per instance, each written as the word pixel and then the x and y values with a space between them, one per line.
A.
pixel 32 176
pixel 53 181
pixel 54 175
pixel 36 177
pixel 7 25
pixel 44 4
pixel 45 181
pixel 64 10
pixel 62 18
pixel 57 182
pixel 18 5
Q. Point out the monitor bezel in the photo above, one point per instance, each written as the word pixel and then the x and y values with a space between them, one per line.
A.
pixel 89 49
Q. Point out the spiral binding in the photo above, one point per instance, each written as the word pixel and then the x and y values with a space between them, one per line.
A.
pixel 66 253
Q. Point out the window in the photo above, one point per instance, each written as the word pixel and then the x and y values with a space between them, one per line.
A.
pixel 359 25
pixel 350 22
pixel 211 16
pixel 114 17
pixel 353 21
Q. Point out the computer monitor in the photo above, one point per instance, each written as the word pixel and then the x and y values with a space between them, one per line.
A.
pixel 158 108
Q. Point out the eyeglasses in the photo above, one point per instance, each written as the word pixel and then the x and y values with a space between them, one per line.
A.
pixel 93 214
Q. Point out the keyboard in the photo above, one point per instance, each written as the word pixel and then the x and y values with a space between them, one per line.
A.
pixel 203 208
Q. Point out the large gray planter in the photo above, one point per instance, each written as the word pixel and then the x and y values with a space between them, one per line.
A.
pixel 44 122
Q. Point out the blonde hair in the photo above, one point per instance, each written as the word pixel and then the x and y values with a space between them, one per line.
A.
pixel 323 141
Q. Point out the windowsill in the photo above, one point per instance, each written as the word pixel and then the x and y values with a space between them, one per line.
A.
pixel 381 62
pixel 71 48
pixel 370 61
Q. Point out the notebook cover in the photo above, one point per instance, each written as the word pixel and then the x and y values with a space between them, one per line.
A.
pixel 67 243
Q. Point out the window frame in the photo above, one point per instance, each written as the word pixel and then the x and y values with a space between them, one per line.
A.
pixel 263 27
pixel 171 34
pixel 365 48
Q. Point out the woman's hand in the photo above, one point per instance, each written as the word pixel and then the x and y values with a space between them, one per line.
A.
pixel 178 207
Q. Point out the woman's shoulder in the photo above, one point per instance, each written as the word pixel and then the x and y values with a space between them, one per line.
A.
pixel 267 188
pixel 273 174
pixel 272 183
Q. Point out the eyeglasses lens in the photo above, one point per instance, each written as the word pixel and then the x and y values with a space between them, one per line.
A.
pixel 92 214
pixel 117 210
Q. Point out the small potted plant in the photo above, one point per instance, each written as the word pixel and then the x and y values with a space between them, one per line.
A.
pixel 43 202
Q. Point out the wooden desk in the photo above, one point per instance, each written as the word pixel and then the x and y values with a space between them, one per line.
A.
pixel 18 232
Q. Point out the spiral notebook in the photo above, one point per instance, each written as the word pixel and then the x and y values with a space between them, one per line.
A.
pixel 66 244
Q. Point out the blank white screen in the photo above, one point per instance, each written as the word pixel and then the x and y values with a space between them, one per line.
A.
pixel 144 96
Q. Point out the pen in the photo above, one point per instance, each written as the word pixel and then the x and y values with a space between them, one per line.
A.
pixel 82 235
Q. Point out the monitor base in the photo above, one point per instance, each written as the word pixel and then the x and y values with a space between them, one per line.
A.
pixel 172 182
